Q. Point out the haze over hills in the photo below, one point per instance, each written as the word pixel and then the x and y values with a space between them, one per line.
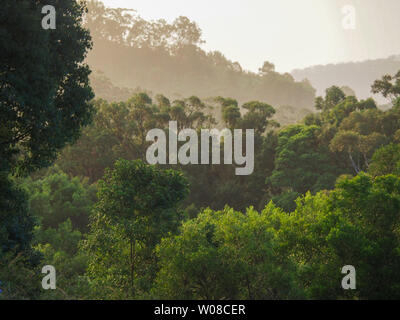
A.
pixel 291 34
pixel 359 76
pixel 162 57
pixel 132 54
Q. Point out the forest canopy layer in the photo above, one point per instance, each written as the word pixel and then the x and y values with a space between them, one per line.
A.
pixel 77 193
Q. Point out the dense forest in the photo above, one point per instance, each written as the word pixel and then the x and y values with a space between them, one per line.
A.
pixel 77 193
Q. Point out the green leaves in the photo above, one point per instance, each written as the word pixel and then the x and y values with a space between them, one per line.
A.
pixel 386 160
pixel 56 197
pixel 302 164
pixel 45 92
pixel 138 204
pixel 356 224
pixel 226 255
pixel 388 86
pixel 134 189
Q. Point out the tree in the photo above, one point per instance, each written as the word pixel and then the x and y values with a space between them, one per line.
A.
pixel 333 96
pixel 353 129
pixel 267 68
pixel 347 141
pixel 303 163
pixel 355 224
pixel 230 111
pixel 44 92
pixel 55 198
pixel 16 222
pixel 226 255
pixel 119 131
pixel 186 32
pixel 44 103
pixel 388 86
pixel 363 132
pixel 60 248
pixel 190 113
pixel 257 116
pixel 386 160
pixel 138 204
pixel 18 260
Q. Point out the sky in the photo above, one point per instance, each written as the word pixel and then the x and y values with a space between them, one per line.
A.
pixel 289 33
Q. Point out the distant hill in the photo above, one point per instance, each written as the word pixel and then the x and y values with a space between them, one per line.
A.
pixel 359 76
pixel 166 58
pixel 131 54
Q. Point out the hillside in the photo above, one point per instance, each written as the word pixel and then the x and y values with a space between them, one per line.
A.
pixel 359 76
pixel 167 58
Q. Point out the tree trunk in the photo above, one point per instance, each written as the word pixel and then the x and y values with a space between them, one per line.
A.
pixel 132 263
pixel 356 169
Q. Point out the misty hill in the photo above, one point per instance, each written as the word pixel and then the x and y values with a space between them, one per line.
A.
pixel 167 58
pixel 359 76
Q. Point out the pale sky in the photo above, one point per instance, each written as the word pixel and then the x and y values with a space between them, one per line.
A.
pixel 290 33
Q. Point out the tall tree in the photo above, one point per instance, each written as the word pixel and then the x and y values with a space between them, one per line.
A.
pixel 44 102
pixel 44 85
pixel 138 204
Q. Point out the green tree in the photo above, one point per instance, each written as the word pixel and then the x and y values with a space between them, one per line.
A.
pixel 355 224
pixel 60 248
pixel 333 96
pixel 44 102
pixel 119 131
pixel 18 261
pixel 303 163
pixel 230 111
pixel 44 92
pixel 386 160
pixel 226 255
pixel 388 86
pixel 137 206
pixel 56 197
pixel 257 117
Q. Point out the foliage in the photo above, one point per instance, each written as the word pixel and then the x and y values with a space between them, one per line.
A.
pixel 56 198
pixel 356 224
pixel 386 160
pixel 137 206
pixel 16 222
pixel 298 151
pixel 388 86
pixel 45 93
pixel 60 248
pixel 226 255
pixel 44 102
pixel 325 192
pixel 18 260
pixel 19 279
pixel 119 131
